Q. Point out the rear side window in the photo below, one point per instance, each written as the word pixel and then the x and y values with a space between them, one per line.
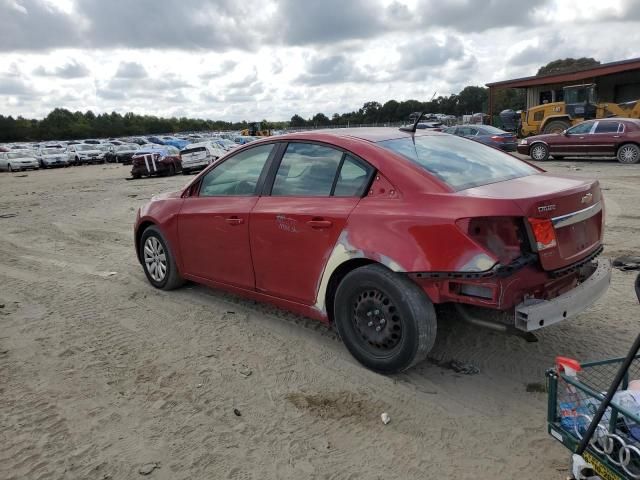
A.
pixel 458 162
pixel 306 170
pixel 186 151
pixel 607 127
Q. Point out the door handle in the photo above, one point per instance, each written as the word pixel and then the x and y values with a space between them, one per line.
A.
pixel 234 220
pixel 319 223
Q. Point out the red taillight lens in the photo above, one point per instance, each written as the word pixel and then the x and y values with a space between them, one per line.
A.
pixel 499 235
pixel 543 232
pixel 498 138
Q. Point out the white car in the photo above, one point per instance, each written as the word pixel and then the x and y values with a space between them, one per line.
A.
pixel 53 156
pixel 82 153
pixel 17 160
pixel 196 156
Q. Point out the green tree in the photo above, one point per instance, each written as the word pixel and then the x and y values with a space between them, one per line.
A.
pixel 297 121
pixel 565 65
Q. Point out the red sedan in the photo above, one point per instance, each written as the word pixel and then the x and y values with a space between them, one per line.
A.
pixel 370 228
pixel 606 137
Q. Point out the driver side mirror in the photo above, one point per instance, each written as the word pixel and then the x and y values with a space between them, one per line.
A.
pixel 565 132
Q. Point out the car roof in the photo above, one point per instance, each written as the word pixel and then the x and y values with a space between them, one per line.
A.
pixel 369 134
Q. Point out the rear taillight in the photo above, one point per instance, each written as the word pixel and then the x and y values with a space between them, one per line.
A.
pixel 543 232
pixel 499 235
pixel 498 138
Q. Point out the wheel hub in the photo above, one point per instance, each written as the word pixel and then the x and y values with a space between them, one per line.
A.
pixel 376 320
pixel 155 259
pixel 629 154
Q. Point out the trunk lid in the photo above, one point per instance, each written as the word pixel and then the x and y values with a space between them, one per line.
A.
pixel 574 205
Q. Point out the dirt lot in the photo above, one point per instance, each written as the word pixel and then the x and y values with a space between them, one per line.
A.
pixel 100 374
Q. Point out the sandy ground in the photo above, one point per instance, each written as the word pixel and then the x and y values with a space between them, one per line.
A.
pixel 100 374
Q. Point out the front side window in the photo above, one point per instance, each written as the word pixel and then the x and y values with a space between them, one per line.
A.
pixel 458 162
pixel 581 129
pixel 238 175
pixel 306 170
pixel 607 127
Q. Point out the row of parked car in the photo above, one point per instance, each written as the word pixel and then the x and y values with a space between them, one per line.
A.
pixel 604 138
pixel 168 154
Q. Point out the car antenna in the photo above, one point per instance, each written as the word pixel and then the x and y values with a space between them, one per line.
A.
pixel 414 127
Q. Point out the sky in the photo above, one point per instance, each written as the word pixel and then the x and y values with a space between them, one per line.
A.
pixel 245 60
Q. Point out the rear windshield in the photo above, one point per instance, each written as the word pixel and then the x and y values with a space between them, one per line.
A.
pixel 458 162
pixel 186 151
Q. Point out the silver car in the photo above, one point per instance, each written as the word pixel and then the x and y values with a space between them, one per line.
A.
pixel 17 160
pixel 53 156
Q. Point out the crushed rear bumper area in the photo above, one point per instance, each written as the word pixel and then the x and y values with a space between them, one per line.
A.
pixel 534 314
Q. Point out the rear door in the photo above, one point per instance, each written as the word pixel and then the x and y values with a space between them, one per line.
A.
pixel 602 142
pixel 296 225
pixel 213 226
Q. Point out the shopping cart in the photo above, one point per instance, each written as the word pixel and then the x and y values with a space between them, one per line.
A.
pixel 594 411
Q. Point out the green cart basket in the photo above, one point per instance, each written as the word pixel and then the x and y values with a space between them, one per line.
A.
pixel 591 412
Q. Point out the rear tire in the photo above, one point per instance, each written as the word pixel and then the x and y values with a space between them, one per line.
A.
pixel 385 320
pixel 628 153
pixel 158 262
pixel 539 152
pixel 556 126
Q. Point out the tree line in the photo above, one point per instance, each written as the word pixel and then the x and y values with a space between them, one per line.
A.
pixel 62 124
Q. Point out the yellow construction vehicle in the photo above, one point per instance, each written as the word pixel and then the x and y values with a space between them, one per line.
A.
pixel 255 130
pixel 580 103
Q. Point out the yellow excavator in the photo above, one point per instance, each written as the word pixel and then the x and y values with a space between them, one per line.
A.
pixel 580 103
pixel 255 130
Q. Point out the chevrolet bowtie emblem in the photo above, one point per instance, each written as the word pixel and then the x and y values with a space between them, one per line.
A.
pixel 587 198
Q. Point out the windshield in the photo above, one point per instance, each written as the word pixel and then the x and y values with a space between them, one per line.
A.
pixel 123 148
pixel 20 154
pixel 82 147
pixel 52 151
pixel 489 130
pixel 458 162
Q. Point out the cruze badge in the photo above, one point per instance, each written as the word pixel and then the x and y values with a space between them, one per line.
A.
pixel 587 198
pixel 546 208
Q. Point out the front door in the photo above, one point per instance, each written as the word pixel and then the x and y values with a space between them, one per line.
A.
pixel 213 225
pixel 294 230
pixel 574 141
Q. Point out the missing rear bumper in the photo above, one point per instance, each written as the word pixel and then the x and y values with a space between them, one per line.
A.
pixel 534 314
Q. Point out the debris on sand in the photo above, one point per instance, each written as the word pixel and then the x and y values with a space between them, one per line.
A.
pixel 385 418
pixel 8 215
pixel 236 412
pixel 627 262
pixel 148 468
pixel 457 366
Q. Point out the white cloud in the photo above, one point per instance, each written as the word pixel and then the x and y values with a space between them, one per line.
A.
pixel 224 59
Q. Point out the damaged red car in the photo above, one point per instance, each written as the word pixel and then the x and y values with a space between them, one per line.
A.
pixel 370 229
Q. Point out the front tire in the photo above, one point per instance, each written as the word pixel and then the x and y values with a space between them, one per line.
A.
pixel 539 152
pixel 628 153
pixel 385 320
pixel 158 261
